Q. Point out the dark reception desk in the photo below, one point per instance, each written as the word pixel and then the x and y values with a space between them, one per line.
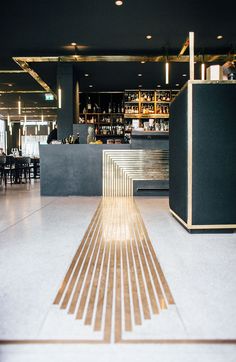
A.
pixel 79 170
pixel 202 139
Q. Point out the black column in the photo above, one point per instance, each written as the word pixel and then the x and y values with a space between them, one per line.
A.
pixel 13 139
pixel 66 81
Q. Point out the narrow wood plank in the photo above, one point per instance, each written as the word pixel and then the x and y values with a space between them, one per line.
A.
pixel 73 263
pixel 90 309
pixel 93 249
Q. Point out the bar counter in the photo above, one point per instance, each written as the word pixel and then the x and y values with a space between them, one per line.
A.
pixel 78 169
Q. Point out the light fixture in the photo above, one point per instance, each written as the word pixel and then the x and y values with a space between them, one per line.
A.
pixel 203 70
pixel 184 75
pixel 19 138
pixel 158 86
pixel 177 85
pixel 119 2
pixel 86 75
pixel 42 117
pixel 167 68
pixel 36 130
pixel 8 120
pixel 90 86
pixel 140 86
pixel 149 37
pixel 19 106
pixel 219 37
pixel 143 62
pixel 140 75
pixel 59 97
pixel 73 44
pixel 10 129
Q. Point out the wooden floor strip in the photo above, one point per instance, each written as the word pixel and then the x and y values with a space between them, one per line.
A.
pixel 152 297
pixel 101 295
pixel 136 307
pixel 86 287
pixel 161 297
pixel 90 309
pixel 127 311
pixel 73 263
pixel 157 265
pixel 118 311
pixel 109 301
pixel 92 249
pixel 79 264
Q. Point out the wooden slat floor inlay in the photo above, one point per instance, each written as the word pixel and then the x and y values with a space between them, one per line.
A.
pixel 115 281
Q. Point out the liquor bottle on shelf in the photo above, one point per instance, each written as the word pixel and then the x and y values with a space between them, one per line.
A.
pixel 109 108
pixel 89 105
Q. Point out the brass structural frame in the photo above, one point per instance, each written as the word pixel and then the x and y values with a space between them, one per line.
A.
pixel 23 62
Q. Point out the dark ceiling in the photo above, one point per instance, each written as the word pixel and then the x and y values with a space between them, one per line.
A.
pixel 47 28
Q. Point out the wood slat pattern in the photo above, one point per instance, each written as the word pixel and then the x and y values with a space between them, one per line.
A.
pixel 115 281
pixel 122 167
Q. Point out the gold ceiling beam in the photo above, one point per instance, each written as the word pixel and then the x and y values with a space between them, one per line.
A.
pixel 25 108
pixel 25 66
pixel 121 58
pixel 184 47
pixel 22 91
pixel 12 71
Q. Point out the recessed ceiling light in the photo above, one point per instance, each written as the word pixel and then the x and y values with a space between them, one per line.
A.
pixel 73 44
pixel 219 37
pixel 177 85
pixel 158 86
pixel 86 75
pixel 143 61
pixel 10 84
pixel 119 2
pixel 140 86
pixel 184 75
pixel 149 37
pixel 140 75
pixel 90 86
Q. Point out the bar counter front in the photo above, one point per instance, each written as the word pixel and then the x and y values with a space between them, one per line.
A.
pixel 106 169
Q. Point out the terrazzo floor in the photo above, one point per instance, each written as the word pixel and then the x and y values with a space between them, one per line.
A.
pixel 147 249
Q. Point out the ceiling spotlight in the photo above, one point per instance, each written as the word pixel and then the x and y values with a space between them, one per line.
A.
pixel 177 85
pixel 90 86
pixel 184 75
pixel 119 2
pixel 73 44
pixel 10 84
pixel 219 37
pixel 158 86
pixel 143 62
pixel 140 75
pixel 86 75
pixel 140 86
pixel 149 37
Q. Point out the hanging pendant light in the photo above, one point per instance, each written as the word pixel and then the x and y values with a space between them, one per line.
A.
pixel 59 97
pixel 19 106
pixel 167 69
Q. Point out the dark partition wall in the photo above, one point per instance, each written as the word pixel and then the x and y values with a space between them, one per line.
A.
pixel 214 154
pixel 178 155
pixel 203 156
